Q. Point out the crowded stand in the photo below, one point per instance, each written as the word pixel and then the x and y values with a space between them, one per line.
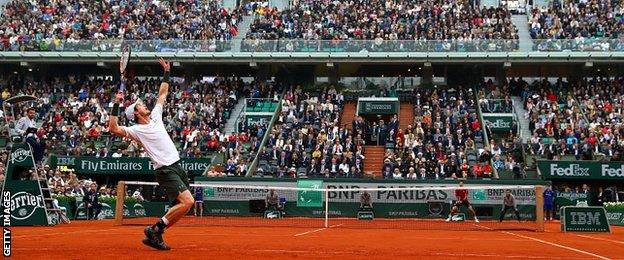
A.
pixel 584 123
pixel 63 25
pixel 601 102
pixel 390 25
pixel 72 114
pixel 308 140
pixel 581 26
pixel 444 142
pixel 556 123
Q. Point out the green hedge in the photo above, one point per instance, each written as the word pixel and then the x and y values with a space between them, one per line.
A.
pixel 72 199
pixel 614 206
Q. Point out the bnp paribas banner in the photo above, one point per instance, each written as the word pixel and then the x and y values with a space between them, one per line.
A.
pixel 586 170
pixel 501 122
pixel 483 196
pixel 130 165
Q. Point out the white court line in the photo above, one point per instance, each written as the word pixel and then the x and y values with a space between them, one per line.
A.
pixel 303 251
pixel 548 243
pixel 309 232
pixel 505 256
pixel 316 230
pixel 556 245
pixel 231 234
pixel 270 235
pixel 602 239
pixel 67 233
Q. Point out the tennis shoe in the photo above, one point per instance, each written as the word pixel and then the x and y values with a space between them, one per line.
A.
pixel 154 239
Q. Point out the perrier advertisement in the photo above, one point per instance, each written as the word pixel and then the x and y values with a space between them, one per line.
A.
pixel 27 205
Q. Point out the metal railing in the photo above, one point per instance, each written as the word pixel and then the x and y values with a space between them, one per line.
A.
pixel 251 104
pixel 379 45
pixel 254 164
pixel 486 141
pixel 584 45
pixel 316 46
pixel 497 106
pixel 319 46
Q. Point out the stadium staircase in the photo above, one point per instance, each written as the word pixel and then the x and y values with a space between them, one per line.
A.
pixel 348 113
pixel 230 4
pixel 280 4
pixel 231 124
pixel 242 27
pixel 406 115
pixel 480 142
pixel 522 24
pixel 373 161
pixel 523 122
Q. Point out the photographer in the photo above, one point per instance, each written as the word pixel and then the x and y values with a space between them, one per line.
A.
pixel 272 201
pixel 366 203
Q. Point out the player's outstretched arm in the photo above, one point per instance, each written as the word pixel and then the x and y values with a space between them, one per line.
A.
pixel 113 124
pixel 164 86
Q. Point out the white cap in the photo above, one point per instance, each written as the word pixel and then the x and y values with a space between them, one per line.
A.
pixel 130 110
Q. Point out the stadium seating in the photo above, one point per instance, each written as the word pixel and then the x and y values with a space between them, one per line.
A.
pixel 582 26
pixel 323 20
pixel 446 140
pixel 307 139
pixel 71 25
pixel 321 25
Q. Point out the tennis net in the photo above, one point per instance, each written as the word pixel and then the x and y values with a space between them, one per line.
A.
pixel 282 204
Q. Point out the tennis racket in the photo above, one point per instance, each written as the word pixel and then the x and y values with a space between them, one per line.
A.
pixel 123 61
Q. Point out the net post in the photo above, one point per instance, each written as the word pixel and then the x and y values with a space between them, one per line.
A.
pixel 121 192
pixel 326 208
pixel 539 208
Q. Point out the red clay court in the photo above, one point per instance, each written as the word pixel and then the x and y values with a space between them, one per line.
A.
pixel 102 239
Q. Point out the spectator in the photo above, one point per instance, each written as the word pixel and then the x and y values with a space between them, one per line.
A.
pixel 583 24
pixel 138 194
pixel 61 25
pixel 423 20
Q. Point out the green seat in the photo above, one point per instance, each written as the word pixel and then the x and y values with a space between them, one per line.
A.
pixel 568 157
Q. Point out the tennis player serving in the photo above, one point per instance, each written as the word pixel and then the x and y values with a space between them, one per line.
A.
pixel 150 132
pixel 462 199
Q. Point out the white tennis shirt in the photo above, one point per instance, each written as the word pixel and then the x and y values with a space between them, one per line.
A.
pixel 155 139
